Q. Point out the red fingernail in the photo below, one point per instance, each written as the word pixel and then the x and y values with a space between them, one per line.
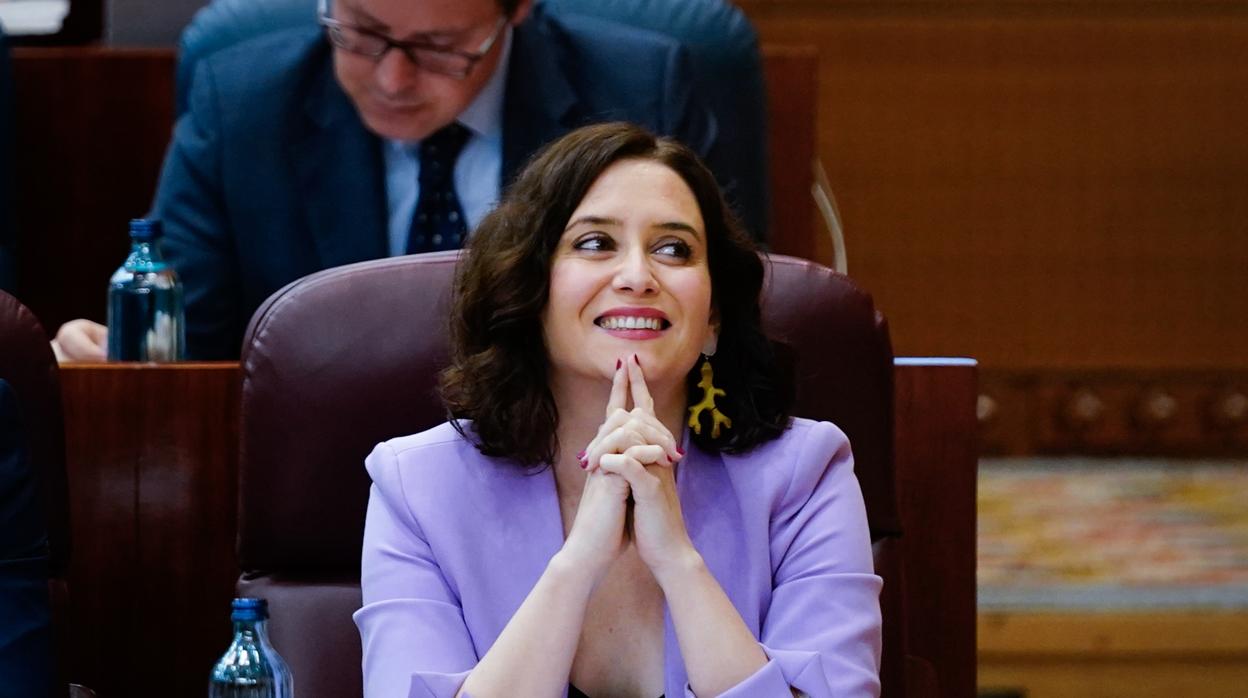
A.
pixel 669 459
pixel 580 456
pixel 584 464
pixel 680 450
pixel 636 359
pixel 618 364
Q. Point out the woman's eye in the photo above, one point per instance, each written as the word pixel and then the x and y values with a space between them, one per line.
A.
pixel 675 248
pixel 593 243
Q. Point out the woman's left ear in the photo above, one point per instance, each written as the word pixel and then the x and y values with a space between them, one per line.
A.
pixel 712 340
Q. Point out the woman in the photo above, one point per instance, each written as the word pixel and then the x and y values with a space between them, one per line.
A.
pixel 568 531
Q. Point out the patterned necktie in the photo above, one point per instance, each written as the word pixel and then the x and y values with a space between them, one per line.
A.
pixel 438 223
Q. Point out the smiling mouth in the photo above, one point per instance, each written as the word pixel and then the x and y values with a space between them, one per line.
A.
pixel 626 322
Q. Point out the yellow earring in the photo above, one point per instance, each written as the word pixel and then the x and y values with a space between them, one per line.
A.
pixel 709 393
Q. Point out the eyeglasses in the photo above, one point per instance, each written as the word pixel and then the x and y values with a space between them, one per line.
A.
pixel 436 59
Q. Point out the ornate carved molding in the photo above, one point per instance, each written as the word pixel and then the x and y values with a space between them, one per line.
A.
pixel 1114 412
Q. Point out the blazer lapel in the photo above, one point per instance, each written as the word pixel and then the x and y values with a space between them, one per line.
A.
pixel 539 104
pixel 516 528
pixel 715 524
pixel 338 167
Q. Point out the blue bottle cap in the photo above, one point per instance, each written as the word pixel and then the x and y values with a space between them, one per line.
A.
pixel 249 609
pixel 144 229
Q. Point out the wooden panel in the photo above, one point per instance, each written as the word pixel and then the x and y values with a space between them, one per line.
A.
pixel 1114 635
pixel 1115 412
pixel 934 423
pixel 1151 678
pixel 792 87
pixel 91 127
pixel 151 455
pixel 1146 655
pixel 1039 184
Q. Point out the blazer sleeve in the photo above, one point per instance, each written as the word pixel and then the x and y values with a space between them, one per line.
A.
pixel 190 203
pixel 822 631
pixel 415 641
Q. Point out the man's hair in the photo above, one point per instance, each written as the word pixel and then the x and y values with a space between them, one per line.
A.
pixel 508 6
pixel 499 372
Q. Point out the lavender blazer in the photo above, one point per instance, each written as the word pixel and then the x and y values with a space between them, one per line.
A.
pixel 455 540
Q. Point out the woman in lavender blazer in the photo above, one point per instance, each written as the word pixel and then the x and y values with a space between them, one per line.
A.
pixel 621 505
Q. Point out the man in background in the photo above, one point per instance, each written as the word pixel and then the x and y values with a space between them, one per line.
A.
pixel 394 136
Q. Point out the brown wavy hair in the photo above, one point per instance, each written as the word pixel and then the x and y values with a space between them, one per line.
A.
pixel 498 376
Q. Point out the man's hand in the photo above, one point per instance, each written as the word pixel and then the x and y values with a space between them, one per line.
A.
pixel 81 340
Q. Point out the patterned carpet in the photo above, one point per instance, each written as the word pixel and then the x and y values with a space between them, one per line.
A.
pixel 1086 534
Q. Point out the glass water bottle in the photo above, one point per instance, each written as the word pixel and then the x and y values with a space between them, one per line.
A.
pixel 250 668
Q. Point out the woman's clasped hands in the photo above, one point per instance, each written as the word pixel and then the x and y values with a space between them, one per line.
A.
pixel 630 488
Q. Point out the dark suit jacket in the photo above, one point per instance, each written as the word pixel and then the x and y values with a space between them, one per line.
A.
pixel 271 175
pixel 25 618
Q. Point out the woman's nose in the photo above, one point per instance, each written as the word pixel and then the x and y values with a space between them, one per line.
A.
pixel 635 275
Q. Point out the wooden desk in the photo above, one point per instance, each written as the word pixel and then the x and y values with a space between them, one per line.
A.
pixel 152 456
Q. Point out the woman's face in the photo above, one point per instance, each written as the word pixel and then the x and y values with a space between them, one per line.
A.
pixel 630 276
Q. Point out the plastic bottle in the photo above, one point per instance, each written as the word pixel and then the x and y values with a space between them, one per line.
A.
pixel 146 320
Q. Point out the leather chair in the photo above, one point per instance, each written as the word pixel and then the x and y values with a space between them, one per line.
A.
pixel 345 358
pixel 722 45
pixel 29 368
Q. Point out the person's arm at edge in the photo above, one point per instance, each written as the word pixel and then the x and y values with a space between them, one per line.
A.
pixel 26 651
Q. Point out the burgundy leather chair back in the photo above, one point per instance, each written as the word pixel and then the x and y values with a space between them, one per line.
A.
pixel 29 367
pixel 27 363
pixel 340 360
